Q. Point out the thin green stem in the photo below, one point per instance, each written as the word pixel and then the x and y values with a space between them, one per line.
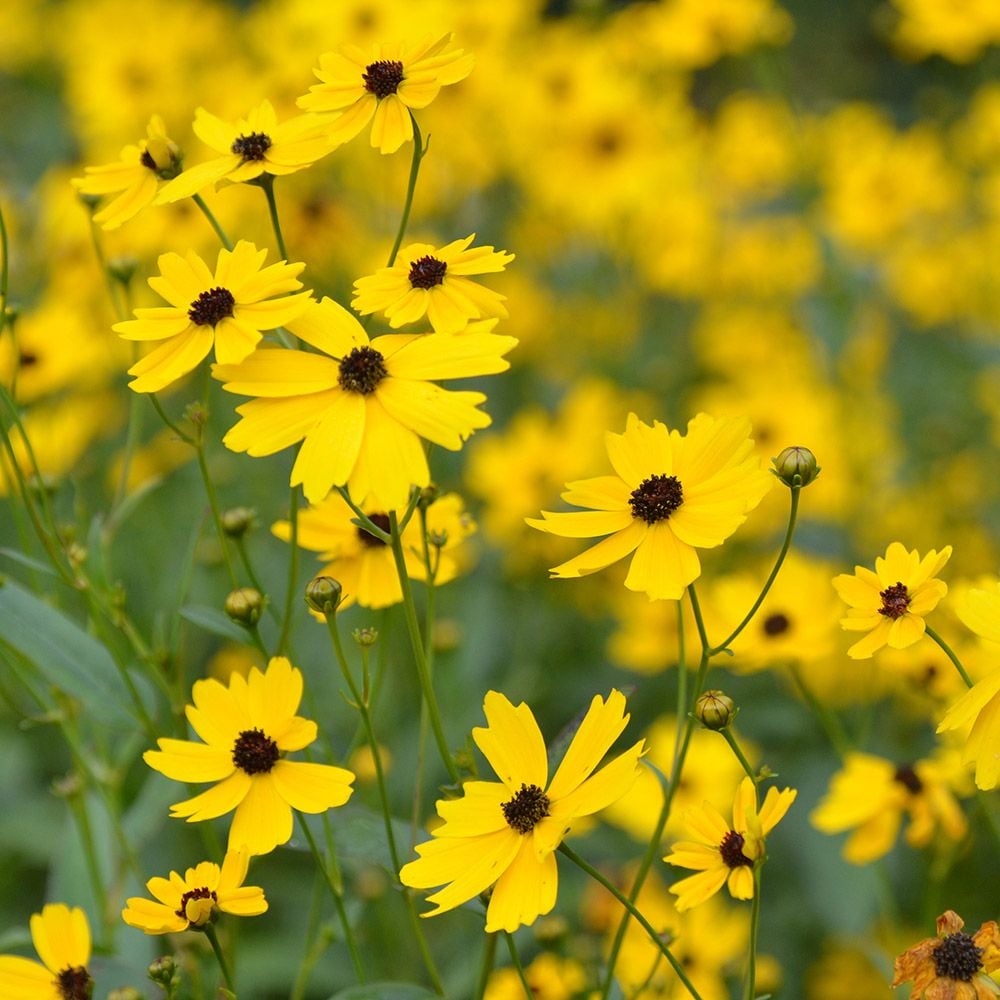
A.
pixel 682 677
pixel 830 722
pixel 740 756
pixel 486 966
pixel 419 150
pixel 213 503
pixel 751 988
pixel 293 571
pixel 182 435
pixel 212 221
pixel 529 993
pixel 213 940
pixel 267 184
pixel 4 269
pixel 78 806
pixel 950 653
pixel 635 913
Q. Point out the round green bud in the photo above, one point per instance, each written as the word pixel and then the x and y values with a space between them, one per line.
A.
pixel 428 495
pixel 245 606
pixel 122 269
pixel 237 521
pixel 324 594
pixel 714 710
pixel 163 971
pixel 367 636
pixel 796 466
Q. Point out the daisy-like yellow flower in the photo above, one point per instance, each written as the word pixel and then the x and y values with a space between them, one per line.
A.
pixel 363 564
pixel 61 937
pixel 194 900
pixel 979 707
pixel 383 85
pixel 361 407
pixel 248 726
pixel 249 148
pixel 724 854
pixel 670 495
pixel 433 281
pixel 870 796
pixel 504 833
pixel 228 309
pixel 954 965
pixel 135 178
pixel 890 604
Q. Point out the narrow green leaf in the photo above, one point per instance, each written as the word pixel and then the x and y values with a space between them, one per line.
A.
pixel 213 621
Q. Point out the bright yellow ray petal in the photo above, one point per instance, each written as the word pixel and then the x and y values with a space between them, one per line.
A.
pixel 662 566
pixel 524 892
pixel 604 553
pixel 216 801
pixel 182 760
pixel 312 788
pixel 263 820
pixel 512 743
pixel 331 447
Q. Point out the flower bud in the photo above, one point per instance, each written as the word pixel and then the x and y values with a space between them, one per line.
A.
pixel 796 466
pixel 122 269
pixel 714 710
pixel 551 930
pixel 166 156
pixel 163 972
pixel 125 993
pixel 245 606
pixel 438 539
pixel 366 636
pixel 237 521
pixel 324 594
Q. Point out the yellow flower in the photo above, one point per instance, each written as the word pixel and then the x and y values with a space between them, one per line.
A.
pixel 62 939
pixel 363 564
pixel 382 85
pixel 229 309
pixel 191 901
pixel 504 833
pixel 433 281
pixel 670 494
pixel 248 727
pixel 726 854
pixel 250 147
pixel 871 794
pixel 135 178
pixel 949 966
pixel 980 705
pixel 361 406
pixel 890 604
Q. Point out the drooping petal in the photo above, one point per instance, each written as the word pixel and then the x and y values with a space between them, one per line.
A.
pixel 311 788
pixel 662 566
pixel 525 891
pixel 696 889
pixel 603 554
pixel 216 801
pixel 263 820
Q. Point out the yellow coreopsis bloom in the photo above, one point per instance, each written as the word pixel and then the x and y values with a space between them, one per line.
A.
pixel 504 833
pixel 670 495
pixel 382 85
pixel 248 726
pixel 192 901
pixel 433 281
pixel 135 178
pixel 228 309
pixel 61 937
pixel 726 854
pixel 890 604
pixel 361 407
pixel 249 148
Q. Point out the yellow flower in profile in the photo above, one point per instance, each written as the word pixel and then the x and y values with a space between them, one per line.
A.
pixel 248 726
pixel 951 966
pixel 383 85
pixel 249 148
pixel 135 178
pixel 670 495
pixel 870 795
pixel 228 309
pixel 504 833
pixel 979 610
pixel 361 407
pixel 61 937
pixel 724 854
pixel 890 604
pixel 363 564
pixel 192 901
pixel 433 281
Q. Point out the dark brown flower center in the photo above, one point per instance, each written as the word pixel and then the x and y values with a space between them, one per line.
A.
pixel 656 498
pixel 426 272
pixel 201 893
pixel 362 370
pixel 212 306
pixel 529 806
pixel 367 539
pixel 957 957
pixel 908 778
pixel 255 752
pixel 251 147
pixel 731 850
pixel 776 624
pixel 74 983
pixel 147 161
pixel 895 601
pixel 382 78
pixel 26 359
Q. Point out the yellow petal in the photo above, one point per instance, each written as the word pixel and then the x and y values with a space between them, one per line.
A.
pixel 524 892
pixel 61 936
pixel 512 743
pixel 330 451
pixel 662 566
pixel 696 889
pixel 183 760
pixel 263 820
pixel 311 788
pixel 171 360
pixel 152 918
pixel 216 801
pixel 603 554
pixel 23 979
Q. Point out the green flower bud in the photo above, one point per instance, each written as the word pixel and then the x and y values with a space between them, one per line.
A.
pixel 428 495
pixel 122 269
pixel 324 594
pixel 163 972
pixel 796 466
pixel 714 710
pixel 245 606
pixel 367 636
pixel 237 521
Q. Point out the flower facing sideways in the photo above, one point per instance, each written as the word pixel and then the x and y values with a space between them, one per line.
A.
pixel 950 966
pixel 228 309
pixel 61 937
pixel 193 900
pixel 670 495
pixel 890 604
pixel 504 833
pixel 248 727
pixel 726 854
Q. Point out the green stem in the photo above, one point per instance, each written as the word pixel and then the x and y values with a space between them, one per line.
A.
pixel 486 966
pixel 78 806
pixel 212 221
pixel 735 747
pixel 4 270
pixel 636 914
pixel 213 503
pixel 751 990
pixel 293 571
pixel 830 722
pixel 419 150
pixel 182 435
pixel 519 967
pixel 213 940
pixel 950 653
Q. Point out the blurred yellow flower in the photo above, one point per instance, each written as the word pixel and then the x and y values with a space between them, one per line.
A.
pixel 61 937
pixel 383 85
pixel 192 901
pixel 504 833
pixel 433 281
pixel 670 494
pixel 550 976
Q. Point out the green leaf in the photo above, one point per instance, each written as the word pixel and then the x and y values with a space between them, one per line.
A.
pixel 35 564
pixel 385 991
pixel 64 654
pixel 213 621
pixel 359 834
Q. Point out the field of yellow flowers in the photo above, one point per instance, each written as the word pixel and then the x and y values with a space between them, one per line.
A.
pixel 499 500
